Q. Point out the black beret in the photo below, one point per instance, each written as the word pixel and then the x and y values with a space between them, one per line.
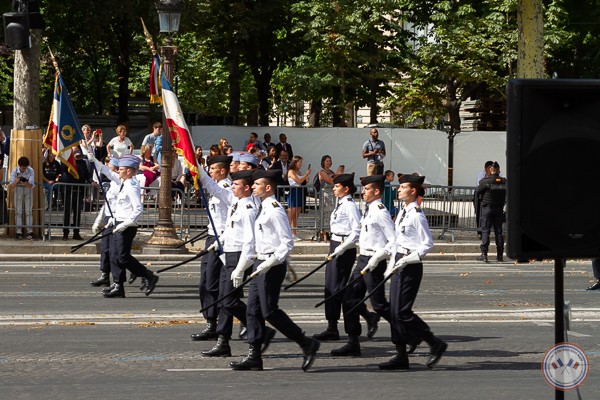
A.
pixel 365 180
pixel 412 178
pixel 496 165
pixel 345 179
pixel 246 174
pixel 274 174
pixel 220 159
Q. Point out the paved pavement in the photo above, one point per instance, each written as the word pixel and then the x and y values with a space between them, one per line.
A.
pixel 61 339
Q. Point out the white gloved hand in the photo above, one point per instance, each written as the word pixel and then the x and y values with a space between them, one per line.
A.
pixel 346 245
pixel 265 266
pixel 91 156
pixel 374 261
pixel 214 247
pixel 412 258
pixel 98 223
pixel 111 222
pixel 122 226
pixel 237 275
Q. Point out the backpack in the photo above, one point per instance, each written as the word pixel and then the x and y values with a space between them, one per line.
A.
pixel 317 183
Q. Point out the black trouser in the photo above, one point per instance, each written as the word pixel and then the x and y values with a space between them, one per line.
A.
pixel 407 327
pixel 355 293
pixel 263 305
pixel 596 267
pixel 492 217
pixel 232 306
pixel 208 288
pixel 73 202
pixel 121 258
pixel 337 273
pixel 105 250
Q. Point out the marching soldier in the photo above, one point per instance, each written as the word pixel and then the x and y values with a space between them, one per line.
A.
pixel 491 195
pixel 210 268
pixel 413 240
pixel 377 243
pixel 345 229
pixel 273 246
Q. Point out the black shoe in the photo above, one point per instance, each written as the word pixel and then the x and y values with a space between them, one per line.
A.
pixel 252 362
pixel 116 291
pixel 483 257
pixel 108 289
pixel 595 286
pixel 327 335
pixel 310 353
pixel 372 325
pixel 132 278
pixel 437 350
pixel 103 280
pixel 151 284
pixel 243 334
pixel 144 284
pixel 347 350
pixel 500 255
pixel 220 349
pixel 269 335
pixel 65 236
pixel 410 348
pixel 76 236
pixel 398 362
pixel 209 333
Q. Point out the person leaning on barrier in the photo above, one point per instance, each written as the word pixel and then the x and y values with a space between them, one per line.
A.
pixel 413 242
pixel 74 193
pixel 128 209
pixel 491 195
pixel 210 267
pixel 22 182
pixel 51 175
pixel 377 243
pixel 274 244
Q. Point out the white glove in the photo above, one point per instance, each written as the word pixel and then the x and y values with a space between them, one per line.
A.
pixel 341 249
pixel 374 261
pixel 98 223
pixel 90 156
pixel 111 222
pixel 265 266
pixel 214 247
pixel 122 226
pixel 237 275
pixel 412 258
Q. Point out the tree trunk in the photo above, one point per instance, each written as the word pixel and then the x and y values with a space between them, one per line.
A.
pixel 262 81
pixel 316 107
pixel 27 85
pixel 234 86
pixel 123 101
pixel 336 110
pixel 453 105
pixel 373 102
pixel 530 58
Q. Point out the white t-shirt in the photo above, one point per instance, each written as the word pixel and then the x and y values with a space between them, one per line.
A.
pixel 119 148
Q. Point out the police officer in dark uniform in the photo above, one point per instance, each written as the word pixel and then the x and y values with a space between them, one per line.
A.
pixel 491 196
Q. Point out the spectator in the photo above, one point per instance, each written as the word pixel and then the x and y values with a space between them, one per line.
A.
pixel 22 181
pixel 326 176
pixel 149 168
pixel 374 151
pixel 390 193
pixel 273 155
pixel 158 149
pixel 150 139
pixel 3 207
pixel 212 151
pixel 253 142
pixel 74 192
pixel 267 144
pixel 100 153
pixel 222 143
pixel 121 144
pixel 51 174
pixel 177 177
pixel 283 165
pixel 284 145
pixel 296 195
pixel 262 156
pixel 228 149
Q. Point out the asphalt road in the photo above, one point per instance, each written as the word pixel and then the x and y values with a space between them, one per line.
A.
pixel 61 339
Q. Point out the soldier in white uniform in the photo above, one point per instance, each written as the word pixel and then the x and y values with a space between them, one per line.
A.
pixel 345 230
pixel 274 244
pixel 210 267
pixel 128 209
pixel 377 243
pixel 413 240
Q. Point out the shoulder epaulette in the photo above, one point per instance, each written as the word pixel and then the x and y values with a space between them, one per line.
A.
pixel 381 206
pixel 418 209
pixel 248 205
pixel 275 204
pixel 350 199
pixel 226 185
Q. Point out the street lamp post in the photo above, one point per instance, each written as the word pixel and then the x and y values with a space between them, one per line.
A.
pixel 164 238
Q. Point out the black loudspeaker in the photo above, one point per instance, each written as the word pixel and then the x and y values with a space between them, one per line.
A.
pixel 553 142
pixel 16 30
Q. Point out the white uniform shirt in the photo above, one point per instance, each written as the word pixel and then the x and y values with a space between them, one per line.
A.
pixel 376 229
pixel 345 219
pixel 272 230
pixel 129 204
pixel 219 204
pixel 239 228
pixel 112 192
pixel 412 231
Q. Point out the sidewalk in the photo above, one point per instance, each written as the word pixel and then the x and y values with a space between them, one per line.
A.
pixel 464 248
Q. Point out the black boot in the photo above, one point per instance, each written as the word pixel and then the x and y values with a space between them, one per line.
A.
pixel 108 289
pixel 411 347
pixel 398 362
pixel 372 324
pixel 132 278
pixel 331 333
pixel 221 348
pixel 209 333
pixel 151 283
pixel 594 286
pixel 252 362
pixel 437 348
pixel 309 348
pixel 103 280
pixel 116 291
pixel 350 349
pixel 483 257
pixel 500 254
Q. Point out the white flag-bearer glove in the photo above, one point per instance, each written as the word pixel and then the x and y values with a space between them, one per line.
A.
pixel 123 225
pixel 237 275
pixel 265 266
pixel 98 223
pixel 341 249
pixel 214 247
pixel 375 259
pixel 412 258
pixel 111 222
